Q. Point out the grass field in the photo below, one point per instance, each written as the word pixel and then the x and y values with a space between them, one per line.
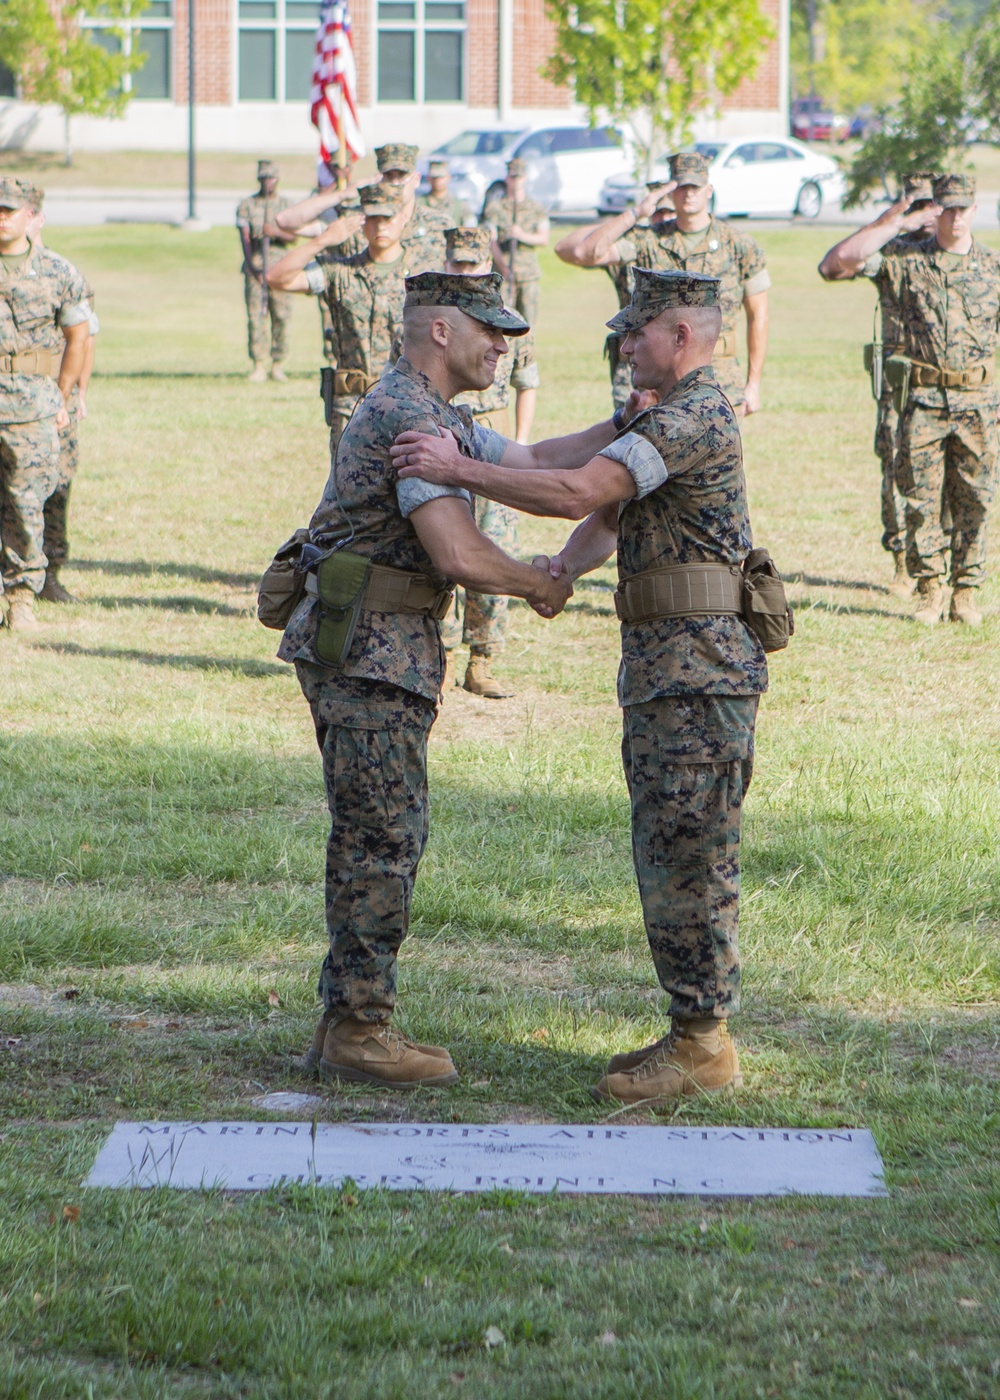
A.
pixel 161 857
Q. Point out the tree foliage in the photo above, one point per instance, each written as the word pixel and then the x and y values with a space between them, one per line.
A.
pixel 925 130
pixel 655 63
pixel 57 61
pixel 861 49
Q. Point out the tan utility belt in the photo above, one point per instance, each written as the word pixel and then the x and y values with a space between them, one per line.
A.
pixel 347 382
pixel 32 362
pixel 680 590
pixel 931 377
pixel 397 591
pixel 725 346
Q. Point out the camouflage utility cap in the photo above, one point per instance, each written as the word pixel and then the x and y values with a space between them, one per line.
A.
pixel 437 168
pixel 381 199
pixel 478 297
pixel 13 194
pixel 689 168
pixel 656 292
pixel 268 170
pixel 35 196
pixel 955 191
pixel 918 186
pixel 471 245
pixel 396 156
pixel 517 167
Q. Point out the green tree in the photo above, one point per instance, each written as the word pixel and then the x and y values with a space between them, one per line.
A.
pixel 655 63
pixel 57 61
pixel 925 130
pixel 857 52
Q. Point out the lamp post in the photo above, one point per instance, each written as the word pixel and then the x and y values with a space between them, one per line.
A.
pixel 191 212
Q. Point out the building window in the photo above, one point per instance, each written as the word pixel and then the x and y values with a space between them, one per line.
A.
pixel 151 32
pixel 421 50
pixel 277 44
pixel 8 83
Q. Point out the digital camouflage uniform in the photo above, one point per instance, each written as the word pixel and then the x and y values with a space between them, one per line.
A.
pixel 56 513
pixel 453 209
pixel 483 622
pixel 373 713
pixel 529 215
pixel 263 304
pixel 893 502
pixel 354 243
pixel 365 303
pixel 39 297
pixel 948 311
pixel 689 688
pixel 734 258
pixel 423 239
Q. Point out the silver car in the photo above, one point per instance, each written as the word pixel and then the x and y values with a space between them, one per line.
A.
pixel 567 163
pixel 754 175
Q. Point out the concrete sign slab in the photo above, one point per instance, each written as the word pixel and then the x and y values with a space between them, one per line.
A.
pixel 540 1158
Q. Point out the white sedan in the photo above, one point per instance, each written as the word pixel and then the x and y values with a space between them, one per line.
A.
pixel 755 175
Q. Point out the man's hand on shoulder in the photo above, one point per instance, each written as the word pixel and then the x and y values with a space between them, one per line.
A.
pixel 432 458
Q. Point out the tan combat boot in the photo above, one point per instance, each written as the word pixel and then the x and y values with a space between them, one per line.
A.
pixel 310 1060
pixel 902 585
pixel 53 591
pixel 479 679
pixel 963 607
pixel 366 1053
pixel 258 374
pixel 933 595
pixel 632 1059
pixel 278 374
pixel 21 615
pixel 697 1056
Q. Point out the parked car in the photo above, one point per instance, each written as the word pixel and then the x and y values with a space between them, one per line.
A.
pixel 567 164
pixel 812 119
pixel 756 175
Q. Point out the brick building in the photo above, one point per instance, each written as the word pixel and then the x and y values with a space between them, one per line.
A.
pixel 426 69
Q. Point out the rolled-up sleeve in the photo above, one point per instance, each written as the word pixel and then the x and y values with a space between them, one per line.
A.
pixel 73 314
pixel 641 460
pixel 412 492
pixel 316 278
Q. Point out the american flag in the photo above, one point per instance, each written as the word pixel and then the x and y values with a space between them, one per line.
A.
pixel 335 83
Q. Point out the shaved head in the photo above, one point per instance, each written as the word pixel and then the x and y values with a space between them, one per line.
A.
pixel 465 350
pixel 705 323
pixel 418 320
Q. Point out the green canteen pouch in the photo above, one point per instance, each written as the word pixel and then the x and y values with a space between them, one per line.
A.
pixel 765 607
pixel 340 588
pixel 898 369
pixel 283 586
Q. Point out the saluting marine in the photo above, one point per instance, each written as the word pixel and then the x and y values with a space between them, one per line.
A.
pixel 424 227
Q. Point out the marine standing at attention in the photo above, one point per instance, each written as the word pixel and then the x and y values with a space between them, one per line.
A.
pixel 947 291
pixel 693 241
pixel 390 552
pixel 480 619
pixel 669 495
pixel 44 330
pixel 257 221
pixel 364 295
pixel 440 197
pixel 519 225
pixel 424 227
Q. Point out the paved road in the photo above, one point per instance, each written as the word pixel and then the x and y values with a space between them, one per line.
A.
pixel 218 208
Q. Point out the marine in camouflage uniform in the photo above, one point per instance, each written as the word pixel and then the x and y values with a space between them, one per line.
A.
pixel 42 299
pixel 480 619
pixel 455 210
pixel 56 514
pixel 499 216
pixel 268 311
pixel 947 291
pixel 364 298
pixel 373 712
pixel 691 671
pixel 618 366
pixel 423 235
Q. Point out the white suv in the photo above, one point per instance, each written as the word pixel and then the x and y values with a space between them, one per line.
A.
pixel 567 164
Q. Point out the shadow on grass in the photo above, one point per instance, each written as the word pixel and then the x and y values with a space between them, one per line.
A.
pixel 859 585
pixel 187 605
pixel 840 610
pixel 590 610
pixel 148 568
pixel 235 665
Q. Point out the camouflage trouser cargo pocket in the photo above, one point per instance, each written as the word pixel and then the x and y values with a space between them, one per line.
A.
pixel 373 739
pixel 688 762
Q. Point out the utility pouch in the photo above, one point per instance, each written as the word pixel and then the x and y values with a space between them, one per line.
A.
pixel 349 382
pixel 898 370
pixel 765 607
pixel 283 586
pixel 326 393
pixel 340 587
